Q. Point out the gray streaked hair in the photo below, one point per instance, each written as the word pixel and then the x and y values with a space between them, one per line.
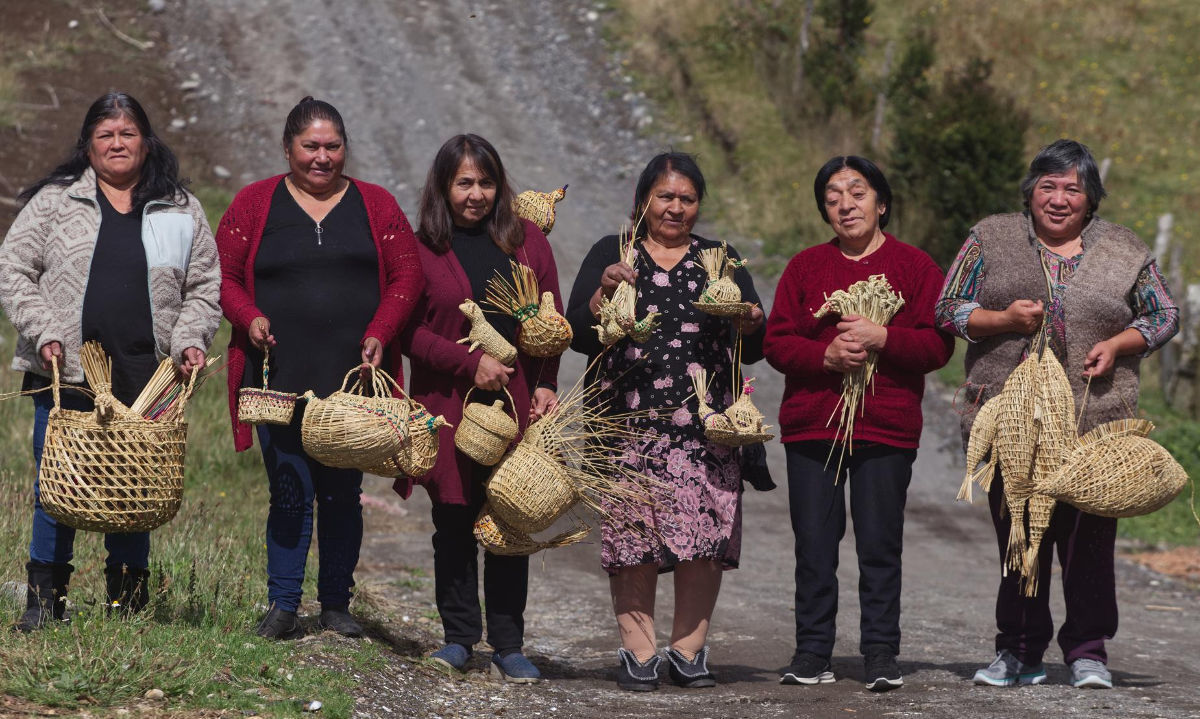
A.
pixel 1062 156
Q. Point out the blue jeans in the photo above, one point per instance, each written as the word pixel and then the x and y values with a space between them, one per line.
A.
pixel 296 480
pixel 53 542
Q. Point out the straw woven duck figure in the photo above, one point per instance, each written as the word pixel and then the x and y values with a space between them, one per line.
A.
pixel 538 207
pixel 482 334
pixel 709 417
pixel 743 415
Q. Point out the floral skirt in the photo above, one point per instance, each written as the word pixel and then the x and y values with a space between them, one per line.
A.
pixel 693 508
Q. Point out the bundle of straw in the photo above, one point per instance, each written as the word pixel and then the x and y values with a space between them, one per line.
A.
pixel 543 332
pixel 874 300
pixel 160 399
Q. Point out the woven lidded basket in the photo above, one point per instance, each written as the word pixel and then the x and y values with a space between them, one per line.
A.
pixel 485 431
pixel 529 489
pixel 265 406
pixel 121 474
pixel 1117 471
pixel 351 430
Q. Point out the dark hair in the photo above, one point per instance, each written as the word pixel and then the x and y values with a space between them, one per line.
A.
pixel 1062 156
pixel 436 223
pixel 308 111
pixel 159 177
pixel 869 171
pixel 658 168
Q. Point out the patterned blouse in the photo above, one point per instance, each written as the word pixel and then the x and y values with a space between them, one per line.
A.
pixel 1155 314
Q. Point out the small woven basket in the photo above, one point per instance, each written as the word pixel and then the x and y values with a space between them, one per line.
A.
pixel 119 474
pixel 538 207
pixel 351 430
pixel 265 406
pixel 529 489
pixel 485 431
pixel 1117 471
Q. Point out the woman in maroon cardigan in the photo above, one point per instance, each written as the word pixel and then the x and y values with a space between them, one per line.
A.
pixel 320 269
pixel 854 198
pixel 469 233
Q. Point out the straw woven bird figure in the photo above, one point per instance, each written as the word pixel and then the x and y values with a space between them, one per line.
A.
pixel 538 207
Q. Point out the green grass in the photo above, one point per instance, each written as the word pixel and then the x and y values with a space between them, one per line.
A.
pixel 1122 76
pixel 208 583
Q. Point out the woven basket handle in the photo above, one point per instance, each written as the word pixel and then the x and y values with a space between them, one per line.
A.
pixel 266 359
pixel 511 402
pixel 346 380
pixel 187 392
pixel 55 382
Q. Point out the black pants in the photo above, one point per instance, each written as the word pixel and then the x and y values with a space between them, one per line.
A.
pixel 879 477
pixel 456 578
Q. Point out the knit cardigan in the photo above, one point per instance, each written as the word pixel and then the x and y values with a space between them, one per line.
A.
pixel 238 237
pixel 47 257
pixel 443 370
pixel 796 341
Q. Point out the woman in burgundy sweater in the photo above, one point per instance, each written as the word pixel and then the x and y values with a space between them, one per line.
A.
pixel 854 198
pixel 469 233
pixel 322 270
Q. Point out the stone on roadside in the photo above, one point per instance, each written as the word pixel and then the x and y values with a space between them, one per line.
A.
pixel 154 695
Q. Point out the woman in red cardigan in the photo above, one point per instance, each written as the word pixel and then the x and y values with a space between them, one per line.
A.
pixel 469 233
pixel 854 198
pixel 321 270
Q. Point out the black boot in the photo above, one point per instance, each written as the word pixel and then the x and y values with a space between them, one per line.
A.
pixel 46 595
pixel 128 589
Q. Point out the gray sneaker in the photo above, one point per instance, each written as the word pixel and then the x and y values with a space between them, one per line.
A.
pixel 1090 674
pixel 1007 670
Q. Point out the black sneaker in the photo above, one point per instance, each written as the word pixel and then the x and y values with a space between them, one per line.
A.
pixel 634 676
pixel 807 668
pixel 279 624
pixel 881 671
pixel 338 619
pixel 693 674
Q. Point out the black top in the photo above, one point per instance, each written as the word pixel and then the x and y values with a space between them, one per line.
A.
pixel 319 289
pixel 481 260
pixel 116 305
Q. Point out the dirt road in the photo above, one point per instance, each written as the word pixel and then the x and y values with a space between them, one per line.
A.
pixel 535 78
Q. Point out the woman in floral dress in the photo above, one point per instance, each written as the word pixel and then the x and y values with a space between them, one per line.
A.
pixel 693 525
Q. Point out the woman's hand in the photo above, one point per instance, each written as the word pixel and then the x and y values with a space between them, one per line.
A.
pixel 1102 358
pixel 372 352
pixel 749 323
pixel 260 334
pixel 1024 316
pixel 843 355
pixel 613 275
pixel 860 330
pixel 193 359
pixel 51 349
pixel 491 374
pixel 544 402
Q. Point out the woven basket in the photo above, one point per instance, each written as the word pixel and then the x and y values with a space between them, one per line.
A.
pixel 1118 472
pixel 529 489
pixel 123 474
pixel 538 207
pixel 547 333
pixel 351 430
pixel 499 538
pixel 485 431
pixel 265 406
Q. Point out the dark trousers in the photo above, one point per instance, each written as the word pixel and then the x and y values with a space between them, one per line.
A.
pixel 1085 544
pixel 54 542
pixel 296 481
pixel 878 479
pixel 456 578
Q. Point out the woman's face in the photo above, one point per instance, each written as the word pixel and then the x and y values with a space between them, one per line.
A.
pixel 472 194
pixel 1059 206
pixel 117 150
pixel 672 209
pixel 852 206
pixel 316 157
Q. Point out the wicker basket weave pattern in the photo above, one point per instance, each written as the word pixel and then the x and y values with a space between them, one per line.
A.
pixel 485 431
pixel 265 406
pixel 124 474
pixel 529 489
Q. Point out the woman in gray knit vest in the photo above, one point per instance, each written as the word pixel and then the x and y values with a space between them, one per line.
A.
pixel 1105 305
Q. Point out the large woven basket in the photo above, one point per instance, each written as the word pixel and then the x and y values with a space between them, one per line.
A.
pixel 485 431
pixel 352 430
pixel 529 489
pixel 120 474
pixel 1117 471
pixel 265 406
